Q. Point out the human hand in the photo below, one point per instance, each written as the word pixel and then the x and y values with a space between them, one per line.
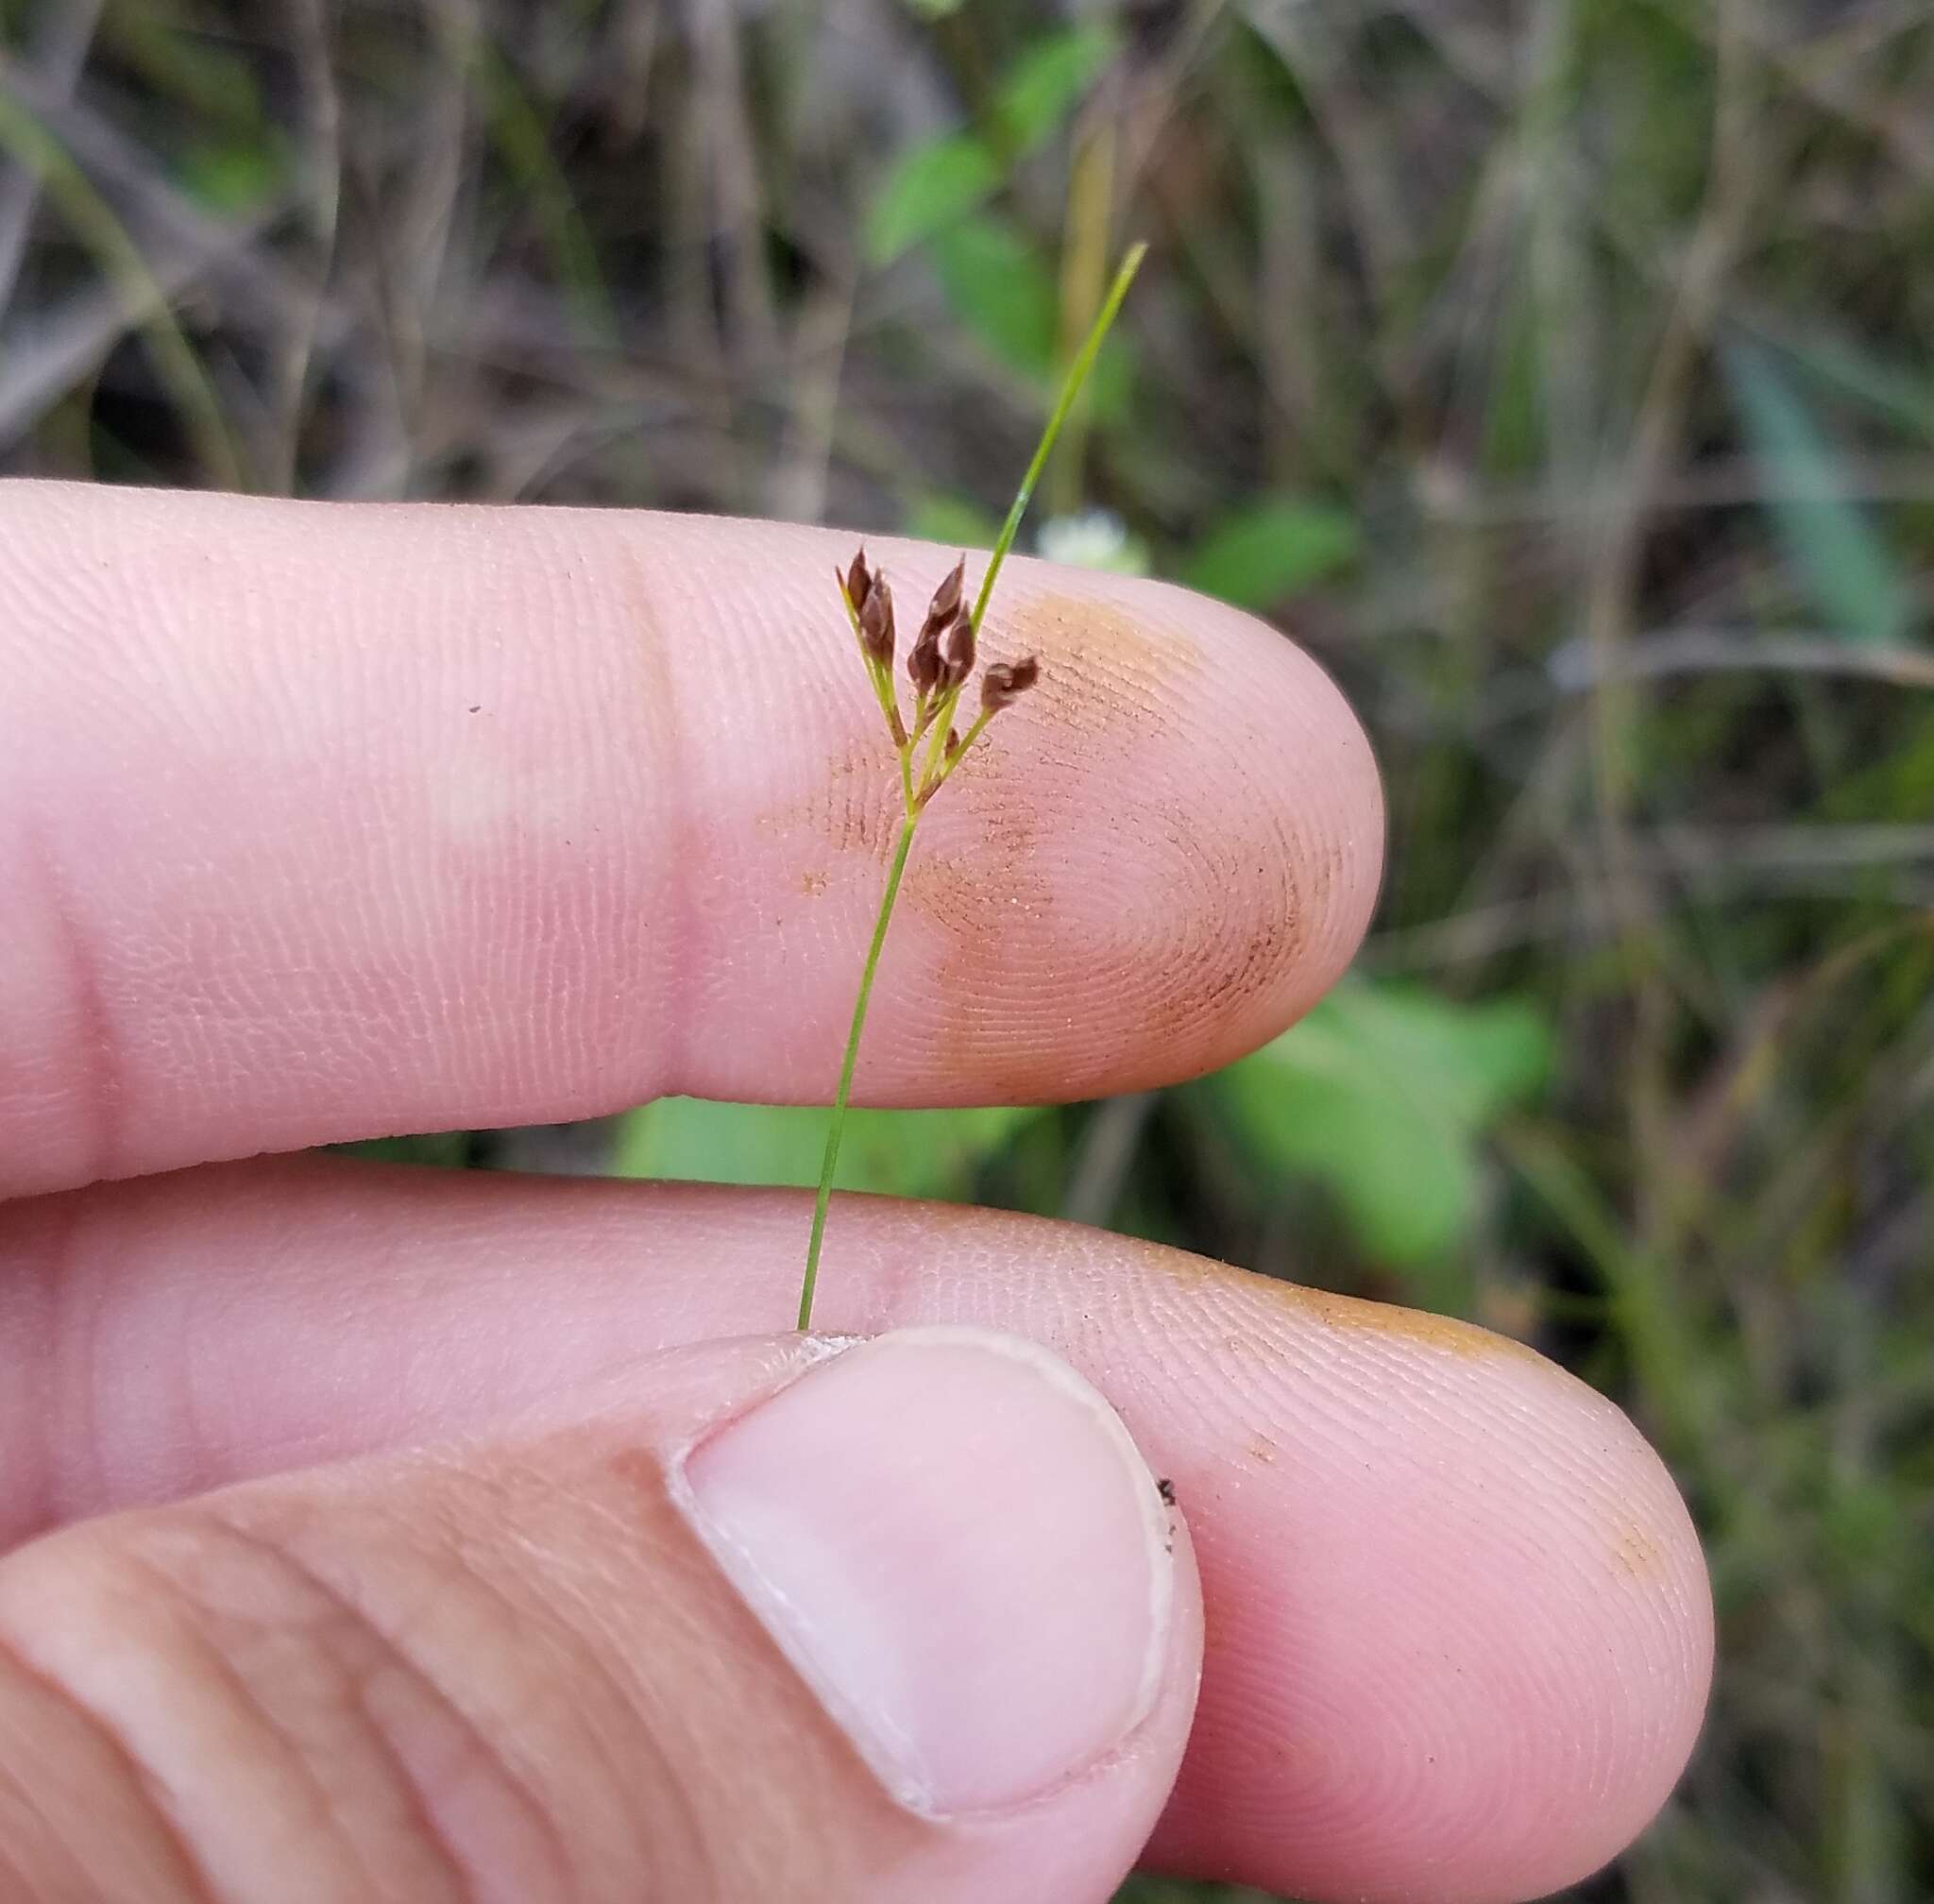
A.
pixel 373 1532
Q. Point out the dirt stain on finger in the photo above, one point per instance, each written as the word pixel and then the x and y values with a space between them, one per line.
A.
pixel 1081 929
pixel 1355 1314
pixel 1637 1552
pixel 1112 671
pixel 853 808
pixel 1096 936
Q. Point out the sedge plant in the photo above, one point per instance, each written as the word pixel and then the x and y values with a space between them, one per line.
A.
pixel 927 743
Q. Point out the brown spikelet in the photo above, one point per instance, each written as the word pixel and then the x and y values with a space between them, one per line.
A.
pixel 1006 681
pixel 858 579
pixel 952 741
pixel 924 662
pixel 876 622
pixel 959 651
pixel 946 598
pixel 923 659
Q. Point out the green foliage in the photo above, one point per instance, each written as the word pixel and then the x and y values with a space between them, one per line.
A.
pixel 932 186
pixel 1835 550
pixel 1270 548
pixel 900 1153
pixel 929 188
pixel 1384 1093
pixel 1002 290
pixel 998 285
pixel 1046 82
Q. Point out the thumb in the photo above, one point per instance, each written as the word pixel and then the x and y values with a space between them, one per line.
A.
pixel 785 1619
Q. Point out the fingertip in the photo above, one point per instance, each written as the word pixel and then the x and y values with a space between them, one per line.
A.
pixel 597 806
pixel 868 1619
pixel 1254 777
pixel 1169 850
pixel 1470 1626
pixel 1460 1634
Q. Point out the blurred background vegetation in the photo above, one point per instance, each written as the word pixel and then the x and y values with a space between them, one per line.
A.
pixel 1557 370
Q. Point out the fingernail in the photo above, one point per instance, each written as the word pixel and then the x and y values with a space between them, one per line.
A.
pixel 952 1537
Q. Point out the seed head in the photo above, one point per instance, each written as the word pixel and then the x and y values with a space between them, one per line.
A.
pixel 858 579
pixel 1006 681
pixel 923 662
pixel 876 622
pixel 959 656
pixel 946 598
pixel 952 741
pixel 923 659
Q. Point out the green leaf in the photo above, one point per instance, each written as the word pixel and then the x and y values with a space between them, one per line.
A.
pixel 998 285
pixel 899 1153
pixel 1042 86
pixel 1271 548
pixel 1383 1094
pixel 933 185
pixel 929 188
pixel 1836 554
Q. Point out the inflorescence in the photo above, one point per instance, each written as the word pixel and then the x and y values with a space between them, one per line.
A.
pixel 938 665
pixel 929 744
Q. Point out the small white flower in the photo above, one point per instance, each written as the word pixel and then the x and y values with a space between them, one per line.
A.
pixel 1095 538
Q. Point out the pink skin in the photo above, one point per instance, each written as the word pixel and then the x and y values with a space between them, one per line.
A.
pixel 1459 1634
pixel 1458 1628
pixel 281 885
pixel 545 1665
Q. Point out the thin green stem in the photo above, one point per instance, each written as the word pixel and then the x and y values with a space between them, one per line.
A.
pixel 938 714
pixel 845 1090
pixel 967 740
pixel 942 723
pixel 1071 389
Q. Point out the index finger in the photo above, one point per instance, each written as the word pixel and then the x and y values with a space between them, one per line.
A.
pixel 323 821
